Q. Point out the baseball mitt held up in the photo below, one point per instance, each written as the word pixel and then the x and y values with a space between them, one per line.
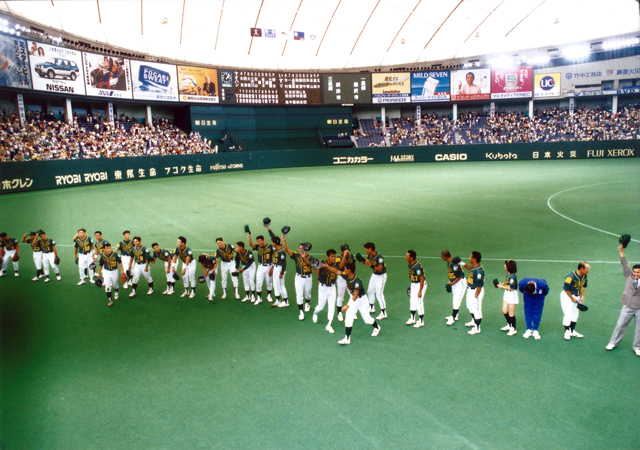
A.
pixel 359 257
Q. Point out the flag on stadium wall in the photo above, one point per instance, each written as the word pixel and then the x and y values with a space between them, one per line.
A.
pixel 256 32
pixel 298 35
pixel 268 33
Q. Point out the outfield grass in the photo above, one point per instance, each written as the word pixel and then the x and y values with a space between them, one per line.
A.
pixel 165 373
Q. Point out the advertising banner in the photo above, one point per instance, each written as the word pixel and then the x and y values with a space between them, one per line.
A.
pixel 430 86
pixel 153 81
pixel 546 85
pixel 515 82
pixel 14 63
pixel 107 76
pixel 346 88
pixel 471 84
pixel 56 69
pixel 391 87
pixel 198 84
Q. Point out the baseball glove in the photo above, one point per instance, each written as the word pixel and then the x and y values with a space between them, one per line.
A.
pixel 582 306
pixel 235 273
pixel 495 282
pixel 123 277
pixel 624 240
pixel 447 287
pixel 266 221
pixel 56 260
pixel 175 276
pixel 344 247
pixel 306 246
pixel 92 266
pixel 201 279
pixel 15 258
pixel 246 229
pixel 285 230
pixel 212 275
pixel 455 260
pixel 99 282
pixel 359 257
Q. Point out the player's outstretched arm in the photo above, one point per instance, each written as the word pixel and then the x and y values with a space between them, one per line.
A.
pixel 286 247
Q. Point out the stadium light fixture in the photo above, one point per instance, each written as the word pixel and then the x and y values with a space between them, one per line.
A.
pixel 576 52
pixel 502 62
pixel 539 60
pixel 612 45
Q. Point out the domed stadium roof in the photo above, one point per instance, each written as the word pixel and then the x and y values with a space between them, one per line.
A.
pixel 331 34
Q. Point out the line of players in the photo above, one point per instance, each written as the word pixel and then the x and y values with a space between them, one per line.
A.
pixel 269 270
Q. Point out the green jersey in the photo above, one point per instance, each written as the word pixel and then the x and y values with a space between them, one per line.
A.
pixel 99 246
pixel 476 277
pixel 84 245
pixel 265 254
pixel 125 247
pixel 184 254
pixel 36 244
pixel 415 272
pixel 140 254
pixel 245 259
pixel 347 259
pixel 454 270
pixel 325 276
pixel 376 260
pixel 302 268
pixel 47 245
pixel 210 261
pixel 109 262
pixel 574 283
pixel 280 259
pixel 226 253
pixel 9 244
pixel 163 255
pixel 354 284
pixel 512 281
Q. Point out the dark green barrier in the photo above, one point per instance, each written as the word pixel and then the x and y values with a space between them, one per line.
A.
pixel 36 175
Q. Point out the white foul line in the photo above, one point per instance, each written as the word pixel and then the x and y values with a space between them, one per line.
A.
pixel 580 223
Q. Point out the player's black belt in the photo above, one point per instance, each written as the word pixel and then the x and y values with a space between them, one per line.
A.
pixel 265 265
pixel 45 252
pixel 415 282
pixel 326 285
pixel 303 276
pixel 377 273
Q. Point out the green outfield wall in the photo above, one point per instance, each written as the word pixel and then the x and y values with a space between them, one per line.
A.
pixel 37 175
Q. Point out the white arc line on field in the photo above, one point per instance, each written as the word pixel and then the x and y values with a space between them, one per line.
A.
pixel 580 223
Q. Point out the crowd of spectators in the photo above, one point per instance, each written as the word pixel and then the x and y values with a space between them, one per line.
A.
pixel 43 137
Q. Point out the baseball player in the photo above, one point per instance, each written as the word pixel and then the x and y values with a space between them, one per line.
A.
pixel 125 246
pixel 209 264
pixel 357 302
pixel 302 280
pixel 278 269
pixel 475 291
pixel 378 279
pixel 34 242
pixel 245 259
pixel 573 293
pixel 225 253
pixel 510 298
pixel 326 288
pixel 188 266
pixel 9 246
pixel 169 266
pixel 534 291
pixel 417 290
pixel 82 254
pixel 49 255
pixel 265 259
pixel 139 265
pixel 108 263
pixel 457 284
pixel 344 258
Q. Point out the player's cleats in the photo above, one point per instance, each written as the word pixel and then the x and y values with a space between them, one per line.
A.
pixel 16 274
pixel 3 274
pixel 376 331
pixel 46 280
pixel 58 277
pixel 192 295
pixel 269 299
pixel 81 282
pixel 372 309
pixel 512 332
pixel 382 315
pixel 474 330
pixel 411 321
pixel 209 298
pixel 150 291
pixel 450 320
pixel 340 318
pixel 536 335
pixel 275 304
pixel 110 304
pixel 125 285
pixel 166 291
pixel 283 304
pixel 184 294
pixel 470 324
pixel 506 328
pixel 307 307
pixel 224 297
pixel 637 351
pixel 527 334
pixel 92 281
pixel 35 279
pixel 258 301
pixel 610 346
pixel 171 292
pixel 245 299
pixel 115 295
pixel 237 295
pixel 574 333
pixel 329 329
pixel 419 324
pixel 567 335
pixel 301 316
pixel 133 294
pixel 315 318
pixel 345 341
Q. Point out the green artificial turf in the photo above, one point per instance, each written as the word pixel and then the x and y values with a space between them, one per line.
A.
pixel 159 372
